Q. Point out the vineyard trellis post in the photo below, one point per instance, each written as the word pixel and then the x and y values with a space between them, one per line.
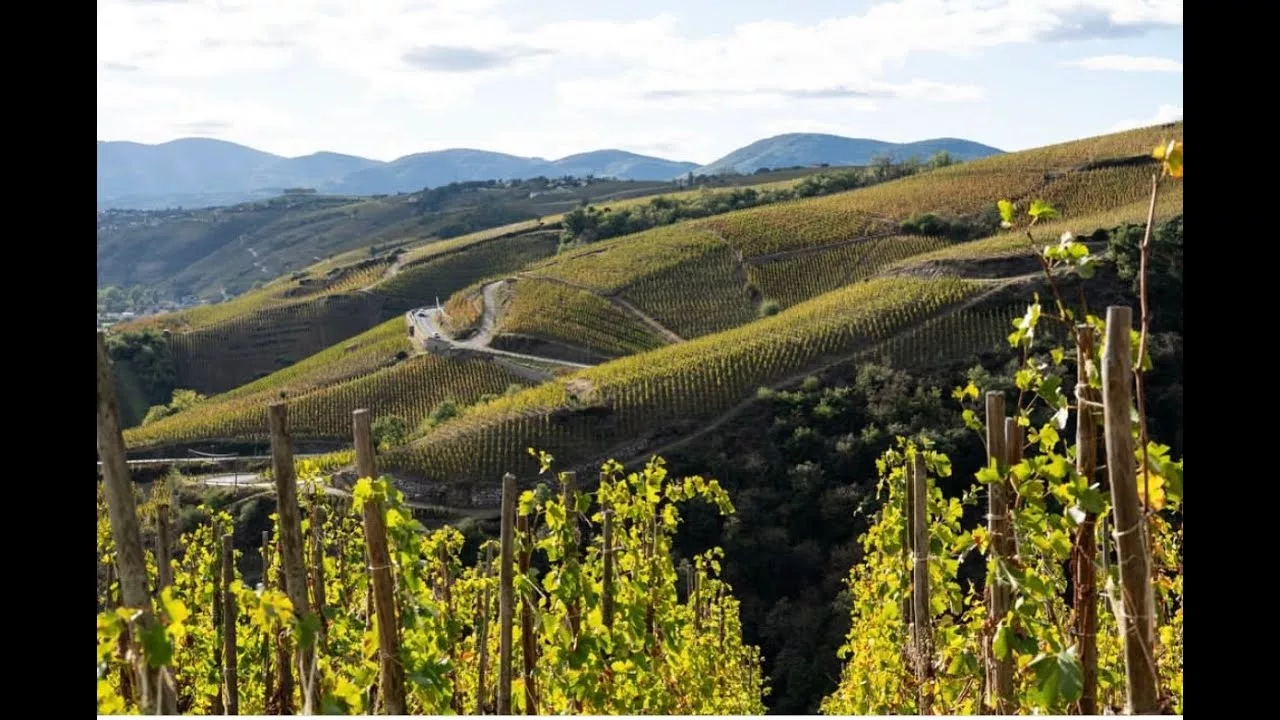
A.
pixel 528 638
pixel 391 670
pixel 506 596
pixel 482 633
pixel 267 678
pixel 229 678
pixel 164 545
pixel 1013 441
pixel 125 532
pixel 920 583
pixel 606 602
pixel 570 500
pixel 284 703
pixel 214 533
pixel 295 573
pixel 908 537
pixel 1084 575
pixel 1141 693
pixel 1000 681
pixel 317 570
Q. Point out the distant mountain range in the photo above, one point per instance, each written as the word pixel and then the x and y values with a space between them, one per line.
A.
pixel 198 172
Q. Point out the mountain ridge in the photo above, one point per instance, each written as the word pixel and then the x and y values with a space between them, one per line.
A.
pixel 790 149
pixel 197 172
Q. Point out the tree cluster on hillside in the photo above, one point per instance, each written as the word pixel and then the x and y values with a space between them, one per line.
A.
pixel 591 224
pixel 181 400
pixel 488 214
pixel 149 359
pixel 133 298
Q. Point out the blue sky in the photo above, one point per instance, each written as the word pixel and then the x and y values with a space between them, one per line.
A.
pixel 689 80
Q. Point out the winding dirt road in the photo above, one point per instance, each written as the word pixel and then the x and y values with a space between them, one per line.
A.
pixel 426 322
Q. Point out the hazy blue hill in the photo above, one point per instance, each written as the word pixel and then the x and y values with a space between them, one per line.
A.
pixel 621 164
pixel 806 149
pixel 440 167
pixel 187 166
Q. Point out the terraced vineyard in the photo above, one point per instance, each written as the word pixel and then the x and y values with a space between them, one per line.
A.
pixel 547 309
pixel 359 355
pixel 410 389
pixel 610 265
pixel 793 280
pixel 219 357
pixel 797 224
pixel 959 335
pixel 440 275
pixel 638 398
pixel 696 297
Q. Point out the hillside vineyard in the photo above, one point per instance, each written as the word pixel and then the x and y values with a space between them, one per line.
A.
pixel 506 536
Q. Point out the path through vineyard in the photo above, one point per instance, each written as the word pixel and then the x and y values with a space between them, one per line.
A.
pixel 425 320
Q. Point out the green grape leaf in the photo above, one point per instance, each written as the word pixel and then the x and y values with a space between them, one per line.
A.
pixel 1041 210
pixel 989 474
pixel 1006 212
pixel 1057 678
pixel 155 645
pixel 1003 640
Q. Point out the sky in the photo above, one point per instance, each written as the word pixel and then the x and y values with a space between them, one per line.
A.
pixel 687 80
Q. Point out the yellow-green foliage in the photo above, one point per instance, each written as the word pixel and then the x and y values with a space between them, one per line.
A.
pixel 674 387
pixel 696 297
pixel 546 309
pixel 410 389
pixel 795 279
pixel 613 264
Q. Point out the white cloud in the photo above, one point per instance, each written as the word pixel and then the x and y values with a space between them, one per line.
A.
pixel 432 57
pixel 1164 114
pixel 1127 63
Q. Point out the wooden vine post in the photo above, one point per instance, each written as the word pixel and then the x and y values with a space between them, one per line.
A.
pixel 125 533
pixel 606 602
pixel 920 582
pixel 164 545
pixel 284 691
pixel 908 537
pixel 293 569
pixel 506 594
pixel 528 636
pixel 267 677
pixel 482 634
pixel 229 677
pixel 1141 695
pixel 570 500
pixel 317 568
pixel 391 669
pixel 1084 574
pixel 1000 680
pixel 215 532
